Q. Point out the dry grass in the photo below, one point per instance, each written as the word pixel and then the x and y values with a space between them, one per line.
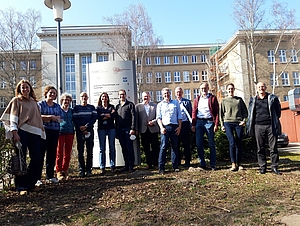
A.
pixel 190 197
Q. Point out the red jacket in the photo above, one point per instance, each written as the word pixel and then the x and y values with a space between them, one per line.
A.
pixel 213 105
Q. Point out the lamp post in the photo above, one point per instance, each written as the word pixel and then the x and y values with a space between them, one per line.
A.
pixel 58 6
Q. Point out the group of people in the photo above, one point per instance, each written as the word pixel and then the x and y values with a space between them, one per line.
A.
pixel 47 128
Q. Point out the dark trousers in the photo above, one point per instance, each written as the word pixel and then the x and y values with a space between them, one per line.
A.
pixel 234 133
pixel 184 138
pixel 89 142
pixel 33 143
pixel 127 147
pixel 264 133
pixel 49 147
pixel 150 139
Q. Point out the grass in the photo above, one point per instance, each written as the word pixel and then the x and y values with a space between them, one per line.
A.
pixel 189 197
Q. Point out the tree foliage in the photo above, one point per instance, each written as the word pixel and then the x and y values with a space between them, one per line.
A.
pixel 134 35
pixel 18 42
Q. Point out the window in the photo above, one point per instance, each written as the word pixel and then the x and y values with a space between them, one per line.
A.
pixel 166 60
pixel 2 102
pixel 296 78
pixel 13 66
pixel 271 57
pixel 149 77
pixel 185 59
pixel 3 84
pixel 32 80
pixel 285 98
pixel 194 59
pixel 148 60
pixel 186 76
pixel 138 61
pixel 204 75
pixel 151 95
pixel 187 93
pixel 22 65
pixel 282 56
pixel 195 75
pixel 157 60
pixel 22 78
pixel 196 93
pixel 285 79
pixel 32 64
pixel 84 61
pixel 203 58
pixel 176 60
pixel 2 65
pixel 70 76
pixel 273 80
pixel 167 77
pixel 158 96
pixel 294 57
pixel 102 58
pixel 158 77
pixel 176 76
pixel 140 78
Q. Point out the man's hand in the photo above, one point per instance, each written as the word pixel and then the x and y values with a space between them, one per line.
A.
pixel 177 131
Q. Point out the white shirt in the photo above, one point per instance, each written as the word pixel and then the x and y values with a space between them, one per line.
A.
pixel 203 109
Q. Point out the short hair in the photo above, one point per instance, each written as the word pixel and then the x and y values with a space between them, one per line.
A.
pixel 179 87
pixel 64 96
pixel 99 100
pixel 165 89
pixel 229 84
pixel 123 90
pixel 47 89
pixel 204 83
pixel 18 89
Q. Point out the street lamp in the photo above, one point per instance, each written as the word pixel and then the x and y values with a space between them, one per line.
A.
pixel 58 7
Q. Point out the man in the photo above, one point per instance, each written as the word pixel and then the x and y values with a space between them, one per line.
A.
pixel 168 115
pixel 263 122
pixel 84 117
pixel 148 129
pixel 184 136
pixel 125 124
pixel 205 119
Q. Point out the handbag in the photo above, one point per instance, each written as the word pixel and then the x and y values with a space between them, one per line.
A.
pixel 17 165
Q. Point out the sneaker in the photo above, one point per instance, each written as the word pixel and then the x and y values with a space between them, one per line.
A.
pixel 52 180
pixel 234 167
pixel 38 183
pixel 23 193
pixel 176 170
pixel 81 174
pixel 161 172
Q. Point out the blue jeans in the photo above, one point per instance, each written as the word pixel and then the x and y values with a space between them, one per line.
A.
pixel 127 147
pixel 235 141
pixel 164 144
pixel 111 133
pixel 206 127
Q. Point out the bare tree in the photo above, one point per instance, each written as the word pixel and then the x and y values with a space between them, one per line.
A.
pixel 249 16
pixel 19 53
pixel 133 25
pixel 284 21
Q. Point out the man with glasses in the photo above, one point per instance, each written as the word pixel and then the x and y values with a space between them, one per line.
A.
pixel 168 115
pixel 84 117
pixel 205 120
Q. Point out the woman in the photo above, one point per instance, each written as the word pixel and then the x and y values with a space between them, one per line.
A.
pixel 233 115
pixel 106 115
pixel 52 116
pixel 23 123
pixel 65 139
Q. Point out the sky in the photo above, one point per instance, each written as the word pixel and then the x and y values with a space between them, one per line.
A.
pixel 177 22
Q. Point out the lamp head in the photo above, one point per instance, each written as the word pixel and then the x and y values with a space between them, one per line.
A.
pixel 58 7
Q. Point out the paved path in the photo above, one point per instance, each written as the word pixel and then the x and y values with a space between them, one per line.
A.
pixel 292 147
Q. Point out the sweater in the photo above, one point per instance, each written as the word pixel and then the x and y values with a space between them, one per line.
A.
pixel 109 123
pixel 67 125
pixel 233 109
pixel 84 116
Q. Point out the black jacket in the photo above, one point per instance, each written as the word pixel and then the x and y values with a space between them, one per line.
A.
pixel 125 115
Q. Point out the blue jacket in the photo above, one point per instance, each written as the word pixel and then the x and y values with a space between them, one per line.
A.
pixel 274 110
